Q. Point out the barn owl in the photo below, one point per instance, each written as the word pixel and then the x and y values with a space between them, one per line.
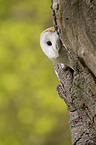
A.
pixel 52 46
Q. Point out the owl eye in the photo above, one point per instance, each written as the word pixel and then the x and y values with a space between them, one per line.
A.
pixel 49 43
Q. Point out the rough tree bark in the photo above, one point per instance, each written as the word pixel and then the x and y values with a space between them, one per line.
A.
pixel 75 23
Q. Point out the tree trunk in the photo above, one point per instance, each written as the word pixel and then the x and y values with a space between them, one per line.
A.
pixel 75 23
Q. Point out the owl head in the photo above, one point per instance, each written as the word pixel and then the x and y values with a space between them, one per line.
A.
pixel 50 43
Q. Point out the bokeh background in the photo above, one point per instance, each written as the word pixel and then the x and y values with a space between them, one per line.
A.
pixel 31 111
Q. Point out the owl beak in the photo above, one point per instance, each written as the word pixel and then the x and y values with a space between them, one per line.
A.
pixel 57 49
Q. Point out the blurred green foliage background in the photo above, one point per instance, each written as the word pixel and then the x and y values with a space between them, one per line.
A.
pixel 31 112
